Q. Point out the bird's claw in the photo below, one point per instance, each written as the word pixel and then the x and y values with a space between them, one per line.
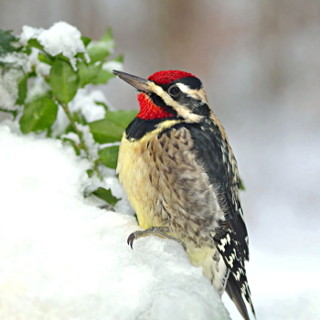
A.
pixel 130 239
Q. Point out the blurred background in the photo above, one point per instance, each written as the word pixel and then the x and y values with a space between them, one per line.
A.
pixel 260 64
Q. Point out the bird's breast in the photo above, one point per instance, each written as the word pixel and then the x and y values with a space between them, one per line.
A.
pixel 167 186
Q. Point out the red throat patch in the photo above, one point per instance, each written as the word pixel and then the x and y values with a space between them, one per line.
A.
pixel 148 110
pixel 164 77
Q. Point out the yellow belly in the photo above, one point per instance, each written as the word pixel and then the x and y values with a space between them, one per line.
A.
pixel 134 176
pixel 139 176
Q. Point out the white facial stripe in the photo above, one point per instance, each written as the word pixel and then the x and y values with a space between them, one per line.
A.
pixel 181 111
pixel 192 93
pixel 183 87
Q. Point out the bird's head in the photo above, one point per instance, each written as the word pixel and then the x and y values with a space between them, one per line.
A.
pixel 169 94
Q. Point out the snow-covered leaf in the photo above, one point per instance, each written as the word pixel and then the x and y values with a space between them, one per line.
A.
pixel 73 144
pixel 109 156
pixel 106 195
pixel 100 50
pixel 34 43
pixel 45 58
pixel 6 42
pixel 38 115
pixel 63 81
pixel 114 64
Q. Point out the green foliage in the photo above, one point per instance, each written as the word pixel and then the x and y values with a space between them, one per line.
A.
pixel 22 89
pixel 63 80
pixel 38 113
pixel 101 135
pixel 101 49
pixel 8 42
pixel 106 195
pixel 241 185
pixel 116 121
pixel 109 156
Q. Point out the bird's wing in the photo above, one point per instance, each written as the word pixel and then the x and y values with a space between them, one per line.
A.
pixel 215 155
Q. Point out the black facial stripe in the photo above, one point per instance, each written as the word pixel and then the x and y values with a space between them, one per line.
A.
pixel 160 103
pixel 157 100
pixel 195 105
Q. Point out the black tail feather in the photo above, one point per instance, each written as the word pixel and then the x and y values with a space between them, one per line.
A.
pixel 234 293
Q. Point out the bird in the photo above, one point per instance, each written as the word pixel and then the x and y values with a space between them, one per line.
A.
pixel 181 177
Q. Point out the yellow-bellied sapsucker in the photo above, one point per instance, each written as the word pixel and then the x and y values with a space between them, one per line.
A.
pixel 181 177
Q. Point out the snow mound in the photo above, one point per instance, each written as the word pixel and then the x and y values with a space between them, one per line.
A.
pixel 64 258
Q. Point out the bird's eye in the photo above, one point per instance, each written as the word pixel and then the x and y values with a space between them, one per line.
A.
pixel 174 91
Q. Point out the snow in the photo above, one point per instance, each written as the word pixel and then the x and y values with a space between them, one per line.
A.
pixel 88 139
pixel 41 68
pixel 64 258
pixel 10 76
pixel 61 37
pixel 85 101
pixel 8 89
pixel 112 65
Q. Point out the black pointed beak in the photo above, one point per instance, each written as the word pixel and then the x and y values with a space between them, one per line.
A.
pixel 139 83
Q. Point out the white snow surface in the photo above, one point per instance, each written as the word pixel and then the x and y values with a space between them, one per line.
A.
pixel 61 37
pixel 64 258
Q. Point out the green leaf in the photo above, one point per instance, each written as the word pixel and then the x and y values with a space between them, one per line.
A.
pixel 45 58
pixel 22 89
pixel 109 156
pixel 101 49
pixel 102 77
pixel 63 80
pixel 98 51
pixel 241 185
pixel 93 73
pixel 38 115
pixel 105 131
pixel 34 43
pixel 107 38
pixel 8 42
pixel 110 129
pixel 87 73
pixel 121 117
pixel 106 195
pixel 85 40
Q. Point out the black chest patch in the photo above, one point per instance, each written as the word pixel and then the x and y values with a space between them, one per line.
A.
pixel 139 127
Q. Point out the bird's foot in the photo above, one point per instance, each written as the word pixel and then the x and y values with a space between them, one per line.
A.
pixel 161 232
